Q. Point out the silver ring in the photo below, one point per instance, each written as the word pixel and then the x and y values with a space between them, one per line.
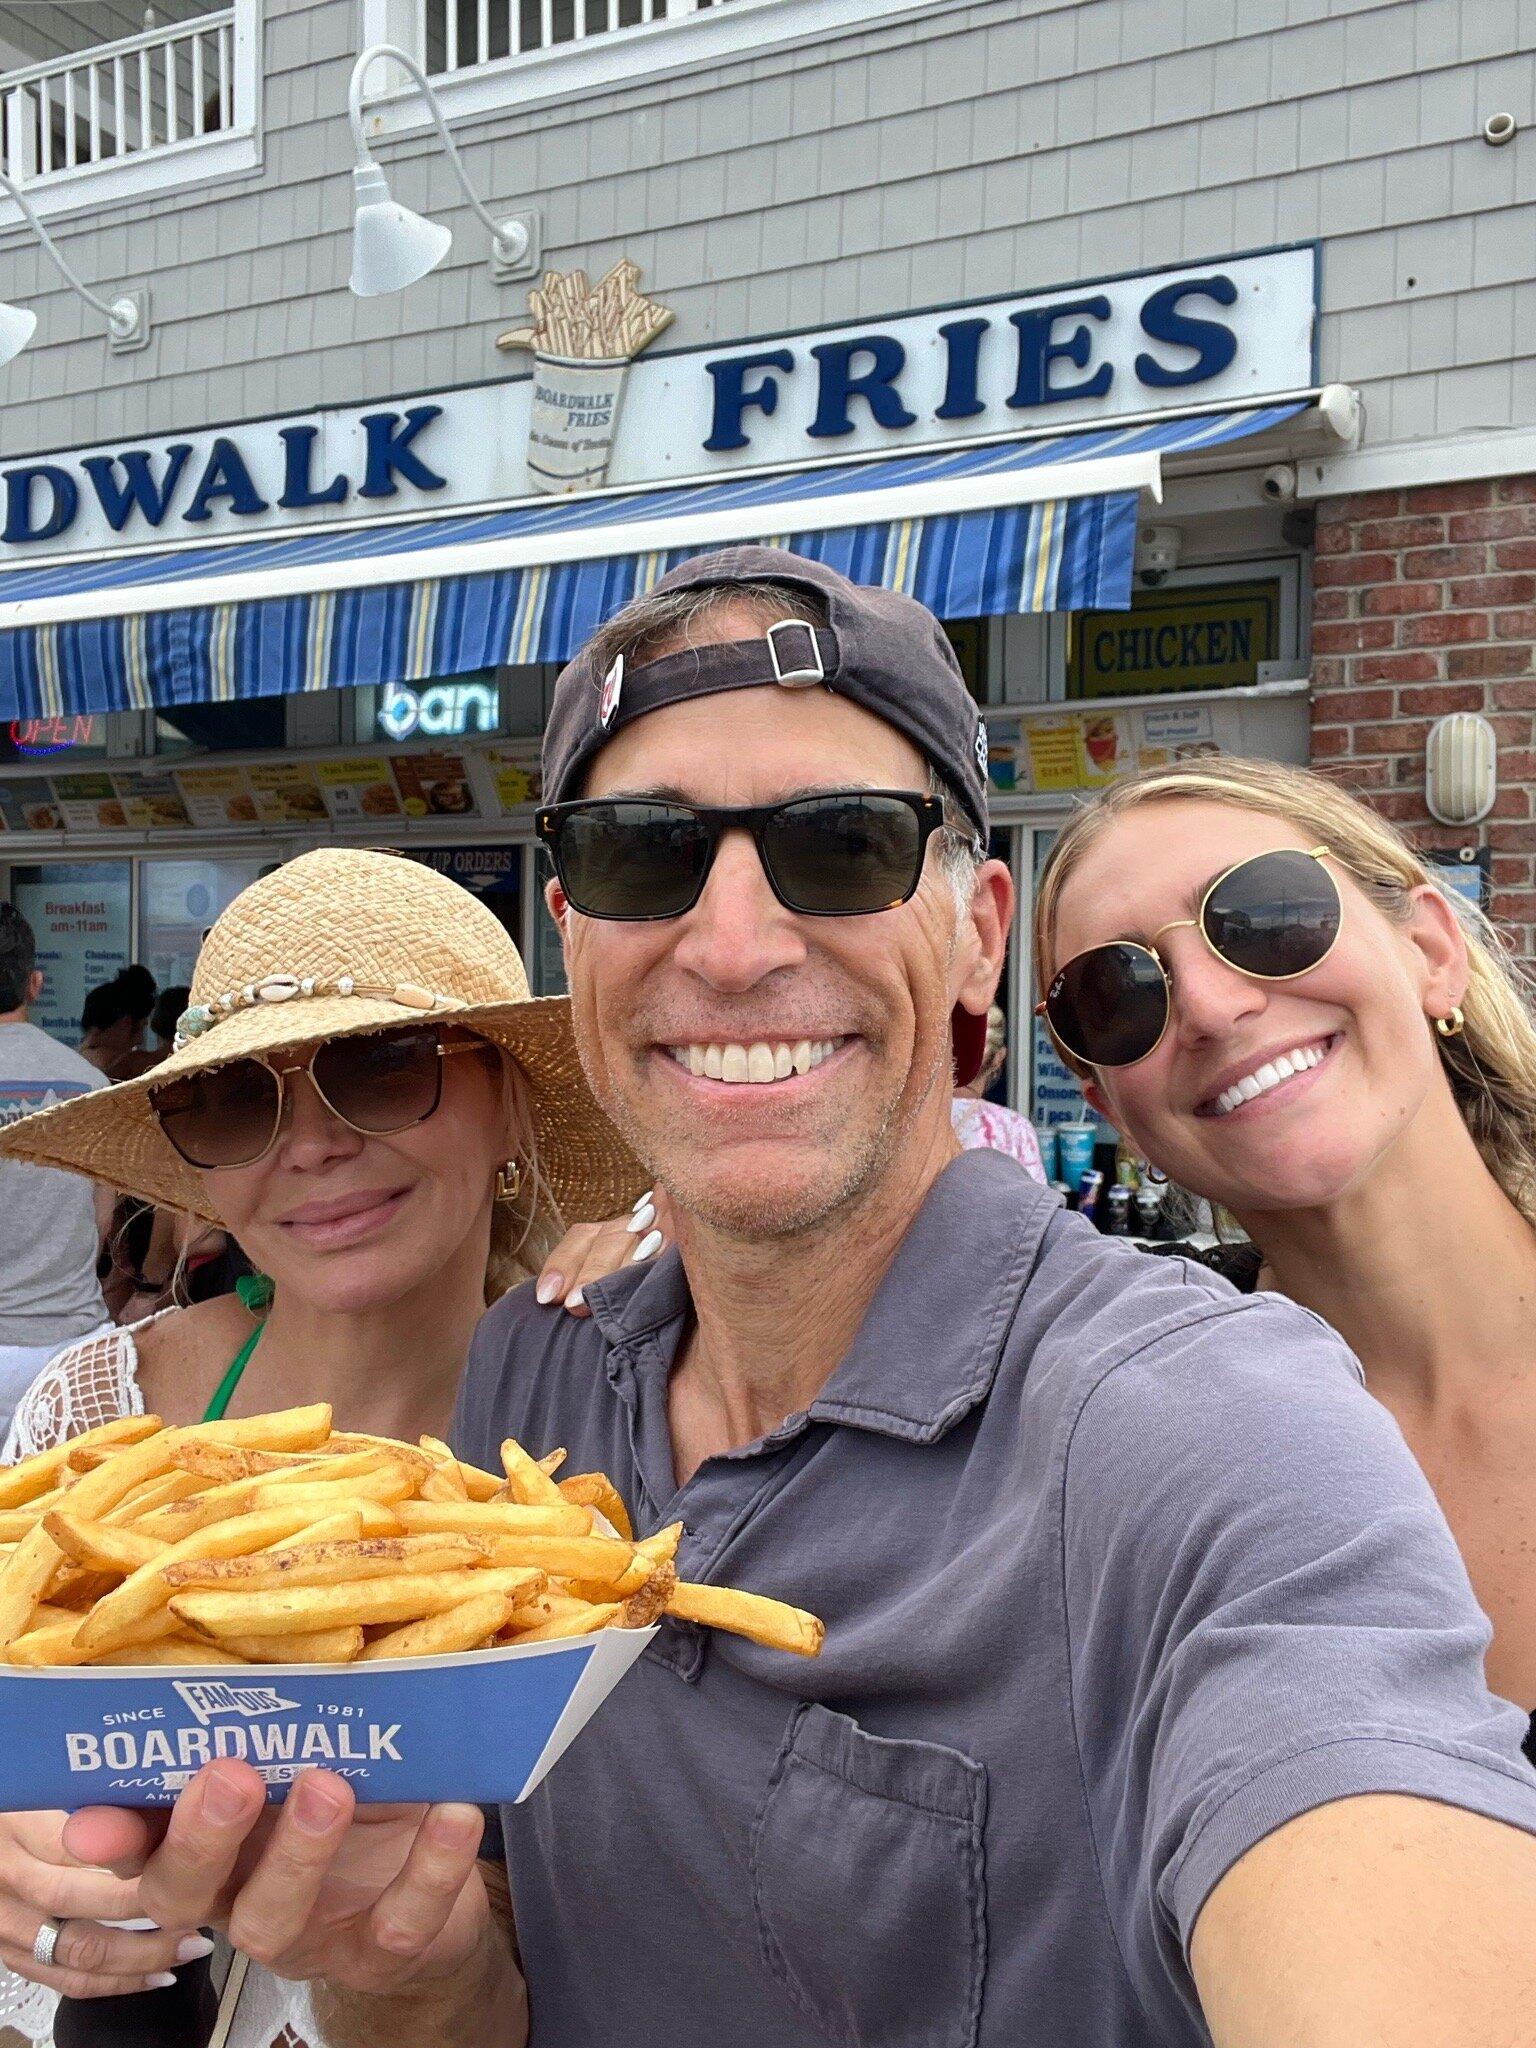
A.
pixel 46 1942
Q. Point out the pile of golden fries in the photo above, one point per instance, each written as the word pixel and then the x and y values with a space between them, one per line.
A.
pixel 276 1540
pixel 604 323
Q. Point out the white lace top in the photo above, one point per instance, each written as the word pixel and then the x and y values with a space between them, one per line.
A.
pixel 87 1383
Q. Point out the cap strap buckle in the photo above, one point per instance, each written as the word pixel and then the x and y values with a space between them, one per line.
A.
pixel 799 676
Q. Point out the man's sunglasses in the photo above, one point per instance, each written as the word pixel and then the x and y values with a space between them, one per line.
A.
pixel 1271 917
pixel 841 853
pixel 378 1083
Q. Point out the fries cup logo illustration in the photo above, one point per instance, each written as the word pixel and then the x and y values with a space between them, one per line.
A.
pixel 583 339
pixel 208 1699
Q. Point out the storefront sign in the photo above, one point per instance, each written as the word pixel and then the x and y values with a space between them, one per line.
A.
pixel 583 341
pixel 359 787
pixel 1233 331
pixel 186 489
pixel 1059 753
pixel 79 912
pixel 38 737
pixel 27 805
pixel 216 796
pixel 442 710
pixel 433 785
pixel 1183 639
pixel 151 803
pixel 89 803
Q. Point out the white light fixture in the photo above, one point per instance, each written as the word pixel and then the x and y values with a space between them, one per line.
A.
pixel 1461 768
pixel 391 246
pixel 127 317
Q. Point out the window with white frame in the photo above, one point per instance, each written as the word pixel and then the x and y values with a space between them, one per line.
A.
pixel 101 99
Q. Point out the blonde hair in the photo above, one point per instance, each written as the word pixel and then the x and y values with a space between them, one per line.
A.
pixel 1491 1065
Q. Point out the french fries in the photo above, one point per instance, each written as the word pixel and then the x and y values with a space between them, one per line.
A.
pixel 606 322
pixel 275 1540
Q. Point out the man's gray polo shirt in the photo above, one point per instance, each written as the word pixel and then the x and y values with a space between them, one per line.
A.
pixel 1120 1572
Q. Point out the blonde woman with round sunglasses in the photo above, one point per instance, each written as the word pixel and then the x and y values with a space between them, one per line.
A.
pixel 1263 988
pixel 364 1094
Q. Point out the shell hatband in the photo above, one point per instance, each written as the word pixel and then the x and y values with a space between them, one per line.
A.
pixel 285 988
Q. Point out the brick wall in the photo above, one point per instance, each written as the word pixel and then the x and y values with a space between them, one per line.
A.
pixel 1426 603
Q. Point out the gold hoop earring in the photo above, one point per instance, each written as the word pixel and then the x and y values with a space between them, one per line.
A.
pixel 509 1181
pixel 1451 1026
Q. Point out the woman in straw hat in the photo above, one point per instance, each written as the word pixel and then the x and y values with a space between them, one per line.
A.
pixel 364 1094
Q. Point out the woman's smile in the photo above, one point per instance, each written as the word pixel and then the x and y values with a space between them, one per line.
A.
pixel 337 1225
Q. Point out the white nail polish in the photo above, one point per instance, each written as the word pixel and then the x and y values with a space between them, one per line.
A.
pixel 548 1288
pixel 575 1299
pixel 194 1948
pixel 648 1196
pixel 641 1220
pixel 161 1981
pixel 648 1247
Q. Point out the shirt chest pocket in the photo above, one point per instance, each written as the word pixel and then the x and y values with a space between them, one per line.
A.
pixel 869 1884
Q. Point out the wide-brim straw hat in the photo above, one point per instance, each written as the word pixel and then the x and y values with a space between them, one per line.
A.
pixel 335 943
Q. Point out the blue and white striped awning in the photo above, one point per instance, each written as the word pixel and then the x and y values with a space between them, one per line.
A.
pixel 1037 525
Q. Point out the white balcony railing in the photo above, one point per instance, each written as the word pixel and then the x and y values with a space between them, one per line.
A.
pixel 144 95
pixel 486 56
pixel 459 34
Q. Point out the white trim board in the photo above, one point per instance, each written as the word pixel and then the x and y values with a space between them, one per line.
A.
pixel 1498 451
pixel 696 529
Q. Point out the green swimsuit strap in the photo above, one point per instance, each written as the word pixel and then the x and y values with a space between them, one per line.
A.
pixel 255 1290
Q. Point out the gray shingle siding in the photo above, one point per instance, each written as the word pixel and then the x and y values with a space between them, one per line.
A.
pixel 974 149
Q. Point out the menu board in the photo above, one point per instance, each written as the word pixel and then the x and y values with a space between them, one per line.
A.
pixel 359 787
pixel 1074 750
pixel 89 803
pixel 27 805
pixel 514 776
pixel 216 796
pixel 286 793
pixel 79 913
pixel 434 785
pixel 151 803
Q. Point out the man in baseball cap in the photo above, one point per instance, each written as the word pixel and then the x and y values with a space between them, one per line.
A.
pixel 1151 1706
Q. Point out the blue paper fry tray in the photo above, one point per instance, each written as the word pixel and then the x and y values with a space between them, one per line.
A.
pixel 483 1726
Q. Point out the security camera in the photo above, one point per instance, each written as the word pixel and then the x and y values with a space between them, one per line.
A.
pixel 1157 553
pixel 1280 482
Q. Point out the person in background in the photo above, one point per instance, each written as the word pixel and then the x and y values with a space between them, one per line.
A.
pixel 152 1251
pixel 112 1024
pixel 163 1018
pixel 990 1126
pixel 51 1224
pixel 392 1170
pixel 1262 986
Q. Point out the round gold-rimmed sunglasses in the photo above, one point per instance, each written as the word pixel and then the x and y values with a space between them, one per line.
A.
pixel 1273 917
pixel 377 1083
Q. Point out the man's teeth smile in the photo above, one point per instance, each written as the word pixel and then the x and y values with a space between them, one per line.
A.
pixel 1270 1075
pixel 757 1063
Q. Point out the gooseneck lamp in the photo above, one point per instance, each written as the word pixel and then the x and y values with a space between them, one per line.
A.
pixel 391 246
pixel 124 316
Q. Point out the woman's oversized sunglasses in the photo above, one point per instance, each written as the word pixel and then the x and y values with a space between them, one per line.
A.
pixel 1272 917
pixel 377 1083
pixel 839 853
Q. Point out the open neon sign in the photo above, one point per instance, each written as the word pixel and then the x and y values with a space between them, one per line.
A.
pixel 37 736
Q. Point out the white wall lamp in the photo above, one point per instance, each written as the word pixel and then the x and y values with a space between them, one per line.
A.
pixel 127 316
pixel 391 246
pixel 1461 768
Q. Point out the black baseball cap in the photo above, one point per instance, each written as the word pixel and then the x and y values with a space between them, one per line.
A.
pixel 879 648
